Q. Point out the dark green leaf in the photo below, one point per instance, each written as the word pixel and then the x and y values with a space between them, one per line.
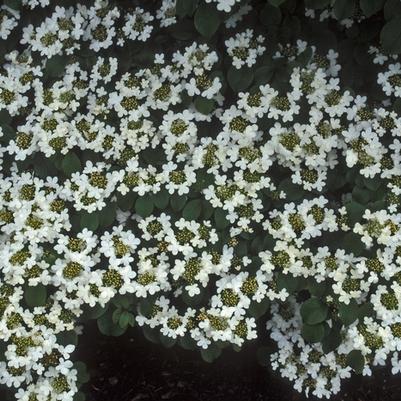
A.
pixel 14 4
pixel 167 342
pixel 203 105
pixel 108 327
pixel 270 15
pixel 258 309
pixel 373 183
pixel 79 396
pixel 293 191
pixel 192 209
pixel 67 337
pixel 70 163
pixel 207 20
pixel 361 195
pixel 313 333
pixel 144 206
pixel 185 7
pixel 313 311
pixel 89 220
pixel 263 74
pixel 391 9
pixel 370 7
pixel 107 215
pixel 124 319
pixel 161 198
pixel 276 3
pixel 348 313
pixel 211 353
pixel 289 282
pixel 83 375
pixel 55 66
pixel 344 8
pixel 220 219
pixel 239 80
pixel 177 202
pixel 332 340
pixel 352 243
pixel 356 360
pixel 316 4
pixel 390 36
pixel 35 296
pixel 355 211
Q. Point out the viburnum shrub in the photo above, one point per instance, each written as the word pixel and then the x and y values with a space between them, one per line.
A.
pixel 212 171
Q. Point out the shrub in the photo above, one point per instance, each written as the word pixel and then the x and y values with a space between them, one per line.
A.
pixel 212 171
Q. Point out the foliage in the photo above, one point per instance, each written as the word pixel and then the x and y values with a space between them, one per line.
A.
pixel 211 171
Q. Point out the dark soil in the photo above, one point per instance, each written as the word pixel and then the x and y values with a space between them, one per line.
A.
pixel 130 368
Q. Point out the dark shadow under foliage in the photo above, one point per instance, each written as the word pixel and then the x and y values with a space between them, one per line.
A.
pixel 130 368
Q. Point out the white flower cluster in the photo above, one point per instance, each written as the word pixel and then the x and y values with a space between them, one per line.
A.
pixel 222 231
pixel 244 48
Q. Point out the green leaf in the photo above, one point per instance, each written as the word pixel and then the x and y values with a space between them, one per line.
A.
pixel 82 375
pixel 5 117
pixel 313 333
pixel 355 211
pixel 211 353
pixel 220 219
pixel 316 4
pixel 35 296
pixel 14 4
pixel 107 215
pixel 356 360
pixel 352 243
pixel 315 288
pixel 207 20
pixel 161 199
pixel 348 313
pixel 192 209
pixel 187 342
pixel 263 356
pixel 116 315
pixel 67 337
pixel 125 319
pixel 107 327
pixel 373 183
pixel 8 133
pixel 177 202
pixel 313 311
pixel 332 340
pixel 390 36
pixel 203 105
pixel 93 312
pixel 79 396
pixel 144 206
pixel 370 7
pixel 258 309
pixel 276 3
pixel 293 192
pixel 361 195
pixel 55 66
pixel 185 7
pixel 166 341
pixel 70 163
pixel 270 15
pixel 89 220
pixel 126 202
pixel 239 80
pixel 264 74
pixel 151 334
pixel 392 8
pixel 289 282
pixel 344 8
